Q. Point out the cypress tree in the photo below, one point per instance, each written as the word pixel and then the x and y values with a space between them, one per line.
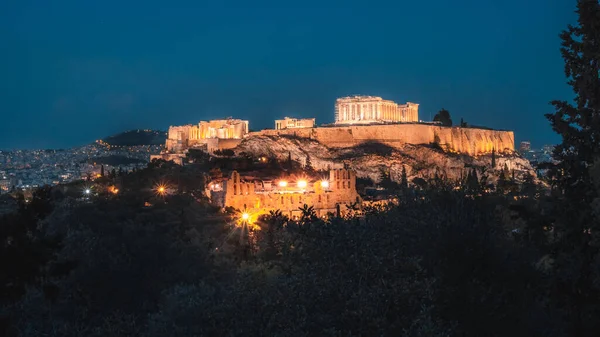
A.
pixel 308 165
pixel 102 170
pixel 289 161
pixel 578 123
pixel 493 158
pixel 404 179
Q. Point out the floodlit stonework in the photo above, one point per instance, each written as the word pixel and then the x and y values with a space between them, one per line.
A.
pixel 471 141
pixel 211 133
pixel 373 109
pixel 257 196
pixel 294 123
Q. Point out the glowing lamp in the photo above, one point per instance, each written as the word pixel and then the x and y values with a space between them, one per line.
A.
pixel 302 183
pixel 87 191
pixel 245 216
pixel 161 189
pixel 324 183
pixel 283 183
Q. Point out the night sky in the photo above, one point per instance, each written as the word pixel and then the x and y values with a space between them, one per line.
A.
pixel 73 71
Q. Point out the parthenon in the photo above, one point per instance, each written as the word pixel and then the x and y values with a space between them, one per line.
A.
pixel 373 109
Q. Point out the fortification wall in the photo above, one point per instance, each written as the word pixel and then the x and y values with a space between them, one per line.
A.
pixel 456 139
pixel 214 144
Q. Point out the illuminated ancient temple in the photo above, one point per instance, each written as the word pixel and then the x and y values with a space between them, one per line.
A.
pixel 373 109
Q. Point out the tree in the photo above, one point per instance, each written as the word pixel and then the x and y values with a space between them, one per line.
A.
pixel 308 166
pixel 289 161
pixel 443 116
pixel 579 126
pixel 215 173
pixel 493 158
pixel 403 178
pixel 102 170
pixel 473 184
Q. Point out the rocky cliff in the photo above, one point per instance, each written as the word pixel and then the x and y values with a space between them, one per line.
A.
pixel 370 158
pixel 471 141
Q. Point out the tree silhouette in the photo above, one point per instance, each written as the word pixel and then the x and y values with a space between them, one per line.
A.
pixel 443 116
pixel 403 179
pixel 102 170
pixel 493 158
pixel 579 126
pixel 308 165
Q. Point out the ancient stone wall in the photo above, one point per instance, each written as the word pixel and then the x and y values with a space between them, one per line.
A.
pixel 241 195
pixel 471 141
pixel 215 144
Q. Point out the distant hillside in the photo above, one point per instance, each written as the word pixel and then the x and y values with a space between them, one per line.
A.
pixel 136 137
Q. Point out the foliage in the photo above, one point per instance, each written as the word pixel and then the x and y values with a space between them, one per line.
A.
pixel 577 224
pixel 137 137
pixel 403 178
pixel 443 116
pixel 224 153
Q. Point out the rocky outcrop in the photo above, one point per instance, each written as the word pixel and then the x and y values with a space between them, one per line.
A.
pixel 471 141
pixel 368 159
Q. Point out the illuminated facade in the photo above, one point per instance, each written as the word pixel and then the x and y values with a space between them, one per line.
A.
pixel 294 123
pixel 183 137
pixel 373 109
pixel 250 195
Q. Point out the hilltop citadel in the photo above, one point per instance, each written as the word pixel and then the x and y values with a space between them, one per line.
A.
pixel 357 120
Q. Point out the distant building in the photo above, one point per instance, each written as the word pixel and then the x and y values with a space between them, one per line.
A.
pixel 294 123
pixel 373 109
pixel 525 146
pixel 5 185
pixel 548 149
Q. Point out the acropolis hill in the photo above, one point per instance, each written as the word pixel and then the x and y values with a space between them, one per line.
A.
pixel 369 136
pixel 358 119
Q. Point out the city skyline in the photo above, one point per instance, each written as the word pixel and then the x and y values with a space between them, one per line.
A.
pixel 150 67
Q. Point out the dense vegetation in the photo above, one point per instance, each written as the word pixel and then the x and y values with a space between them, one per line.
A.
pixel 137 263
pixel 126 260
pixel 137 137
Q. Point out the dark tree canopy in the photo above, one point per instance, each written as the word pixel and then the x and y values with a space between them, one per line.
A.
pixel 578 123
pixel 443 116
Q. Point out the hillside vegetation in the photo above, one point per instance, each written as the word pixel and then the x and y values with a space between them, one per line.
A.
pixel 136 138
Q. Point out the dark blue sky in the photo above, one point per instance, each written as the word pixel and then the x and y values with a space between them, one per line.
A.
pixel 72 71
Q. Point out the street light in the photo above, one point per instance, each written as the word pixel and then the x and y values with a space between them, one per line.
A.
pixel 283 183
pixel 302 183
pixel 324 183
pixel 87 191
pixel 161 189
pixel 245 216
